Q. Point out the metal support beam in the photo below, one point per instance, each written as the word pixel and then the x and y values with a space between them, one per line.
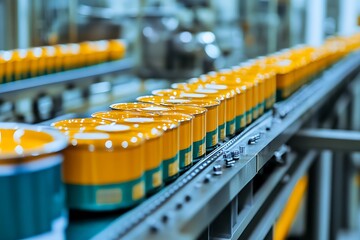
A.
pixel 341 143
pixel 276 205
pixel 329 139
pixel 347 17
pixel 315 22
pixel 319 195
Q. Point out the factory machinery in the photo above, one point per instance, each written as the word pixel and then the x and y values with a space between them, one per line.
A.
pixel 252 185
pixel 256 194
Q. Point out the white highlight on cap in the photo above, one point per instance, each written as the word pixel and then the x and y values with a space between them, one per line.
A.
pixel 193 95
pixel 216 86
pixel 139 119
pixel 178 101
pixel 155 108
pixel 206 91
pixel 284 63
pixel 112 128
pixel 86 136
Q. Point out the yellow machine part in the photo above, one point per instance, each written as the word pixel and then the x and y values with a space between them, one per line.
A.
pixel 287 217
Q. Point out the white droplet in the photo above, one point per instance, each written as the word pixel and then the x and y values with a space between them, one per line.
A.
pixel 19 149
pixel 108 144
pixel 91 148
pixel 124 144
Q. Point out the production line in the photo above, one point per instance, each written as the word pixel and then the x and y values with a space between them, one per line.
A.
pixel 182 143
pixel 117 158
pixel 179 119
pixel 29 63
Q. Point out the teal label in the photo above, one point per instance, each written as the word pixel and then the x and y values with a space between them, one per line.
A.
pixel 249 116
pixel 280 95
pixel 260 109
pixel 30 202
pixel 262 106
pixel 8 78
pixel 268 103
pixel 106 196
pixel 274 98
pixel 50 70
pixel 230 127
pixel 27 75
pixel 221 131
pixel 186 157
pixel 211 139
pixel 240 122
pixel 40 73
pixel 170 167
pixel 259 106
pixel 255 112
pixel 199 148
pixel 153 179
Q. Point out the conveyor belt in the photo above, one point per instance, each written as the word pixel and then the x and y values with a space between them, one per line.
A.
pixel 81 74
pixel 184 208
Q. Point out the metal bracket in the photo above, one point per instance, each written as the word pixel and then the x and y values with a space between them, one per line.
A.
pixel 281 154
pixel 327 139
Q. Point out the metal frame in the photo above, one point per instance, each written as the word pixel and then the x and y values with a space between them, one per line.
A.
pixel 185 209
pixel 333 194
pixel 327 139
pixel 337 159
pixel 277 199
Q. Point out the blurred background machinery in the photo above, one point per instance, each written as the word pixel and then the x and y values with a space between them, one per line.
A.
pixel 172 40
pixel 185 37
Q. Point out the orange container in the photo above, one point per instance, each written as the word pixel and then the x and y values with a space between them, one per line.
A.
pixel 184 97
pixel 199 114
pixel 211 116
pixel 230 79
pixel 230 103
pixel 152 146
pixel 171 128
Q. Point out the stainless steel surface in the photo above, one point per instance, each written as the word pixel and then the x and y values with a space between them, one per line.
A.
pixel 259 199
pixel 345 189
pixel 319 199
pixel 329 139
pixel 275 207
pixel 210 194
